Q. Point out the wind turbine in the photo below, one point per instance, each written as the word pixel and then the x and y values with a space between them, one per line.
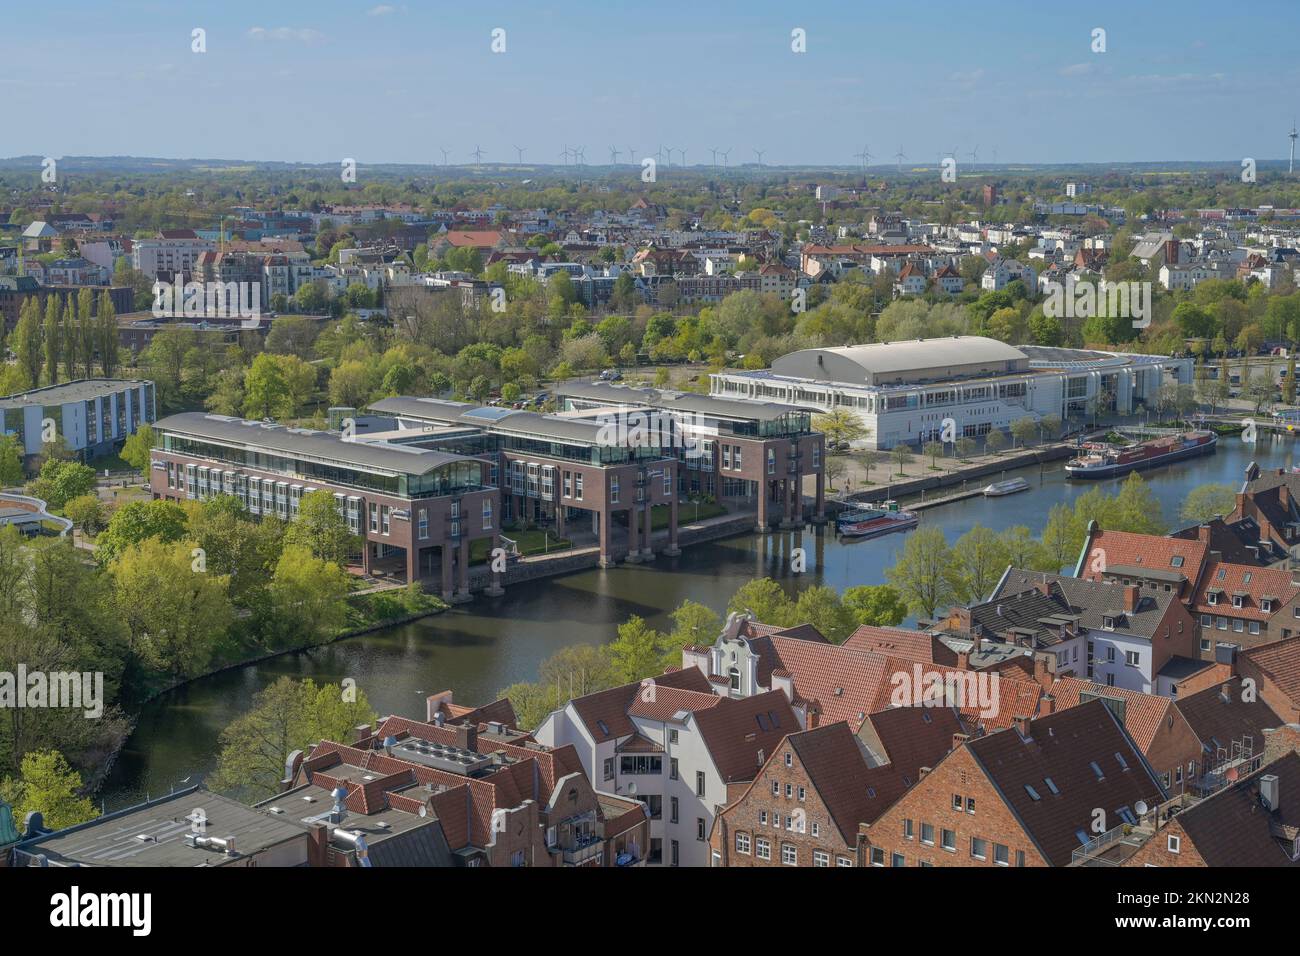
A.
pixel 478 155
pixel 759 153
pixel 1292 136
pixel 445 153
pixel 725 153
pixel 714 151
pixel 683 152
pixel 580 155
pixel 660 154
pixel 565 153
pixel 613 156
pixel 520 150
pixel 865 156
pixel 631 155
pixel 900 157
pixel 974 155
pixel 668 151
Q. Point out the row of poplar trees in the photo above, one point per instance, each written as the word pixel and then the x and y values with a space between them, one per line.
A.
pixel 70 339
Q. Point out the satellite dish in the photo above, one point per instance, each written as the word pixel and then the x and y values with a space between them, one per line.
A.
pixel 631 787
pixel 1140 807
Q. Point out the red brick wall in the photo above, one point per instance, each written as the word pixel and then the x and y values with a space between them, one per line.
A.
pixel 1155 852
pixel 743 817
pixel 931 801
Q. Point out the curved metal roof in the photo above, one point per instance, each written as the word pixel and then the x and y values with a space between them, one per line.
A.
pixel 858 363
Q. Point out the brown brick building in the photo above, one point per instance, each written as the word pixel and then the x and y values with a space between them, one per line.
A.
pixel 1028 796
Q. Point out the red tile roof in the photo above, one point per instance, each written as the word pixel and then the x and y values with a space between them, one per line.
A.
pixel 1251 582
pixel 1144 714
pixel 1127 549
pixel 1280 663
pixel 741 731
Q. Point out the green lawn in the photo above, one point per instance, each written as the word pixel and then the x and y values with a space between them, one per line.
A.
pixel 687 511
pixel 530 542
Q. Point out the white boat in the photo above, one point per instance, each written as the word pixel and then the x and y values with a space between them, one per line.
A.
pixel 1008 487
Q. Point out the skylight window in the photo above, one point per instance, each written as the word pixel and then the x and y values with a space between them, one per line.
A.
pixel 1033 794
pixel 1096 770
pixel 1123 764
pixel 1176 561
pixel 1051 784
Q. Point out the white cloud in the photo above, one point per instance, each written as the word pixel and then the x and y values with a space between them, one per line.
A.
pixel 382 10
pixel 1077 69
pixel 300 34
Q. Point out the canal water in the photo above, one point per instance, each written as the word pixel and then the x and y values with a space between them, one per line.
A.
pixel 480 648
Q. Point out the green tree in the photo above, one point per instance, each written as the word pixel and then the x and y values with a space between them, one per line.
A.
pixel 694 623
pixel 995 441
pixel 821 607
pixel 61 480
pixel 876 605
pixel 933 449
pixel 308 595
pixel 53 336
pixel 321 529
pixel 86 512
pixel 286 716
pixel 107 334
pixel 638 652
pixel 840 426
pixel 1208 501
pixel 176 613
pixel 25 340
pixel 978 561
pixel 1024 430
pixel 901 455
pixel 11 461
pixel 922 572
pixel 763 599
pixel 47 785
pixel 137 522
pixel 1024 551
pixel 137 450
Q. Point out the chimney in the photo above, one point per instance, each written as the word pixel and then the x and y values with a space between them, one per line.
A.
pixel 1171 251
pixel 1022 727
pixel 360 732
pixel 959 739
pixel 760 756
pixel 922 773
pixel 291 765
pixel 1047 705
pixel 1044 669
pixel 1284 495
pixel 1044 587
pixel 1270 792
pixel 1130 597
pixel 467 736
pixel 963 660
pixel 1203 531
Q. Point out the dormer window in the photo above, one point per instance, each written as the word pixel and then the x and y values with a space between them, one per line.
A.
pixel 1211 598
pixel 1108 623
pixel 1236 600
pixel 1266 606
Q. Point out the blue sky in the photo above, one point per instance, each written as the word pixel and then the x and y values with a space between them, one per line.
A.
pixel 395 82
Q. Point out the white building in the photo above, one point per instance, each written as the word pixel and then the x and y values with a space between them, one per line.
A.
pixel 675 745
pixel 903 391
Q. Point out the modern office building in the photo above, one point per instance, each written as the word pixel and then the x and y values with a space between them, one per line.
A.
pixel 903 391
pixel 417 510
pixel 90 416
pixel 750 454
pixel 566 472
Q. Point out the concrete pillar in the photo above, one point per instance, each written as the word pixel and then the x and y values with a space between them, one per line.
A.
pixel 494 589
pixel 633 549
pixel 365 556
pixel 647 546
pixel 559 520
pixel 819 513
pixel 600 524
pixel 448 594
pixel 412 563
pixel 761 527
pixel 462 558
pixel 672 550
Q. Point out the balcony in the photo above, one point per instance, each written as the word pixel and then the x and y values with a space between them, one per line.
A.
pixel 589 853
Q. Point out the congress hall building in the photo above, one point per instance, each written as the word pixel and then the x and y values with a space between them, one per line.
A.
pixel 903 391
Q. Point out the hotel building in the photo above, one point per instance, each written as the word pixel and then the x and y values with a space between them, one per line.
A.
pixel 754 455
pixel 417 510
